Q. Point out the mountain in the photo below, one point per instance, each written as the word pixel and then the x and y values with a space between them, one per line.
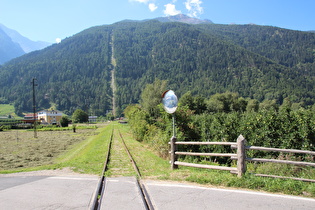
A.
pixel 183 19
pixel 99 64
pixel 16 38
pixel 8 49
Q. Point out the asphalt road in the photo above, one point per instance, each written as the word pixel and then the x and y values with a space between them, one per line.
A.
pixel 182 196
pixel 46 192
pixel 75 192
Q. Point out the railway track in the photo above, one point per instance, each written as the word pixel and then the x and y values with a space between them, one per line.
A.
pixel 108 188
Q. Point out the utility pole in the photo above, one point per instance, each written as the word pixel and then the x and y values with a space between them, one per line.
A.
pixel 34 107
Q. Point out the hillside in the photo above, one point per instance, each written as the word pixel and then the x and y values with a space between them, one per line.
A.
pixel 256 61
pixel 13 44
pixel 8 49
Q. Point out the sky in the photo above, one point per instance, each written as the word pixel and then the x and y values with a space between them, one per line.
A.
pixel 54 20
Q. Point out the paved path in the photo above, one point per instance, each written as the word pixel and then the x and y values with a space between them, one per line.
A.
pixel 46 192
pixel 75 192
pixel 172 196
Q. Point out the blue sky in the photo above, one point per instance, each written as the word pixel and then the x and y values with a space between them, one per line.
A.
pixel 47 20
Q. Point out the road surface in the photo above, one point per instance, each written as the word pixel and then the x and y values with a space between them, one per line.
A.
pixel 75 192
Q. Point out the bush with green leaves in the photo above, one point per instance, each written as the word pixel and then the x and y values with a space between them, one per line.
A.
pixel 227 116
pixel 80 116
pixel 64 122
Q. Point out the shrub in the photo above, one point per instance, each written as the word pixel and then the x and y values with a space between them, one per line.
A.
pixel 79 116
pixel 64 122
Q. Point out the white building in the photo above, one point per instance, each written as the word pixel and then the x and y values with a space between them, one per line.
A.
pixel 92 119
pixel 49 116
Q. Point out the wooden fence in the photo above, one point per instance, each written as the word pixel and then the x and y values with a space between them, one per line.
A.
pixel 239 156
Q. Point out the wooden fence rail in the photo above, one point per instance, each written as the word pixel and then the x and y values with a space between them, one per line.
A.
pixel 240 156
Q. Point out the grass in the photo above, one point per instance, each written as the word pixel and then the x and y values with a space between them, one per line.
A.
pixel 7 109
pixel 148 161
pixel 119 163
pixel 153 167
pixel 56 128
pixel 20 151
pixel 88 155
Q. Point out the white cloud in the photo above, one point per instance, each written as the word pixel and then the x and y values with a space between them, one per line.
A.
pixel 152 7
pixel 58 40
pixel 194 7
pixel 170 10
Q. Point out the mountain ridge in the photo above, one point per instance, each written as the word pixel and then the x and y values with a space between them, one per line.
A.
pixel 25 44
pixel 183 19
pixel 204 59
pixel 8 49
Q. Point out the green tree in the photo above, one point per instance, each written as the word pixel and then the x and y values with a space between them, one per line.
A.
pixel 226 102
pixel 64 122
pixel 79 116
pixel 187 100
pixel 269 104
pixel 194 103
pixel 152 96
pixel 252 105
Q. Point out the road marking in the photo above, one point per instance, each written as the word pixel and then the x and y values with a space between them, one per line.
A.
pixel 231 190
pixel 72 178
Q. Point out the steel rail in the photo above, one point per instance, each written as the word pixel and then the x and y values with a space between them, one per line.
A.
pixel 144 194
pixel 96 200
pixel 95 204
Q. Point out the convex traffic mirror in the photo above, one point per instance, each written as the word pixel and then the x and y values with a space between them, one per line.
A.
pixel 169 101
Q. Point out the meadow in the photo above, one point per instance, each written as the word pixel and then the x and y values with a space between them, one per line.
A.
pixel 85 151
pixel 7 109
pixel 20 150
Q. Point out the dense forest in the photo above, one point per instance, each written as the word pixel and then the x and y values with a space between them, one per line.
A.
pixel 257 62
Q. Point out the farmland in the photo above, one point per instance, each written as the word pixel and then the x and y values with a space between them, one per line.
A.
pixel 84 152
pixel 7 109
pixel 19 149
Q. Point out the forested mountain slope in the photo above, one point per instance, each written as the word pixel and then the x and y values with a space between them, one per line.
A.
pixel 255 61
pixel 286 47
pixel 72 74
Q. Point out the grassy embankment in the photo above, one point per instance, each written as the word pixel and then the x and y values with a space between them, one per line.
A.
pixel 7 109
pixel 87 154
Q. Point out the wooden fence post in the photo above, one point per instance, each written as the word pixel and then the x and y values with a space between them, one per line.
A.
pixel 173 150
pixel 241 156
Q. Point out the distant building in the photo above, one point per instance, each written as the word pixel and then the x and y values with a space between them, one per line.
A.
pixel 52 117
pixel 92 119
pixel 29 118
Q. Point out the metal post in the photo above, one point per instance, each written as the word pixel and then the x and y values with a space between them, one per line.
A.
pixel 174 131
pixel 34 107
pixel 173 146
pixel 173 150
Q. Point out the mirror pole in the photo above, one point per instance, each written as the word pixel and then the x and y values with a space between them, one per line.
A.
pixel 174 132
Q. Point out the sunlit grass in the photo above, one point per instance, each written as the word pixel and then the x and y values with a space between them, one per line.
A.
pixel 7 109
pixel 88 156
